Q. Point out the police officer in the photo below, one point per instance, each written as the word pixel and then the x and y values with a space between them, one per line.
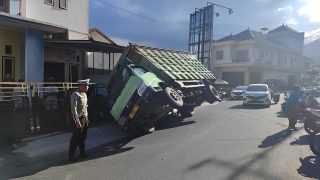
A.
pixel 79 110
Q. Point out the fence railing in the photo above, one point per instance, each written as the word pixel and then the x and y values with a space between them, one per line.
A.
pixel 38 107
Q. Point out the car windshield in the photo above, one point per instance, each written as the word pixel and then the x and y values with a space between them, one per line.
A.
pixel 241 88
pixel 257 88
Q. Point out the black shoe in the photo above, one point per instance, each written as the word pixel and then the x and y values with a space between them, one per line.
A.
pixel 292 128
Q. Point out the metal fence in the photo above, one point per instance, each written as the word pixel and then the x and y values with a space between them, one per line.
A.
pixel 29 108
pixel 32 108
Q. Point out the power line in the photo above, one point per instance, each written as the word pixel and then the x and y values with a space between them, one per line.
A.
pixel 314 34
pixel 187 30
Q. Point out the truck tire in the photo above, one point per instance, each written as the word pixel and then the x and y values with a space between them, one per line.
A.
pixel 212 94
pixel 174 98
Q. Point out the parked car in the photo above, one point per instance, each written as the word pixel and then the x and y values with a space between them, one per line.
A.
pixel 257 94
pixel 237 92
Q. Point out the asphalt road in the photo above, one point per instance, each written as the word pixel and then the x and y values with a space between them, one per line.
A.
pixel 222 141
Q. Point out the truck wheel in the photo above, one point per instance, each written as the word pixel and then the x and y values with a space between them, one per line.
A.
pixel 212 94
pixel 175 99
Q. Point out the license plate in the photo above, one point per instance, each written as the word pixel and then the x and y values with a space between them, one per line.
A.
pixel 133 111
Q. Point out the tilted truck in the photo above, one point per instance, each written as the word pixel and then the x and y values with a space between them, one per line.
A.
pixel 149 83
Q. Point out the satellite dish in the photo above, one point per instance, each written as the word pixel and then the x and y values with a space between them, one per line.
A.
pixel 264 29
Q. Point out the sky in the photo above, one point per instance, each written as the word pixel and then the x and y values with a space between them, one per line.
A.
pixel 165 23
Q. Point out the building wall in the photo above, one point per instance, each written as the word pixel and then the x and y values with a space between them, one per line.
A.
pixel 75 17
pixel 14 39
pixel 65 57
pixel 294 41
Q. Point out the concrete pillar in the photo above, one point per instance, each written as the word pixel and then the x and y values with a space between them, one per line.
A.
pixel 22 59
pixel 34 56
pixel 246 77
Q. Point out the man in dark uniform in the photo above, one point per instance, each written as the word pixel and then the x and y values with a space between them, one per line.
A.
pixel 79 111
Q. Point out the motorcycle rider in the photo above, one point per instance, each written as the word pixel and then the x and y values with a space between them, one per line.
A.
pixel 292 106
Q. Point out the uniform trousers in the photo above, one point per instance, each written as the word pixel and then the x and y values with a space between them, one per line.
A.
pixel 78 138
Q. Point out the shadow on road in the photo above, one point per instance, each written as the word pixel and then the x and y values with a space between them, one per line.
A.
pixel 247 107
pixel 172 122
pixel 275 138
pixel 310 167
pixel 19 165
pixel 236 170
pixel 302 140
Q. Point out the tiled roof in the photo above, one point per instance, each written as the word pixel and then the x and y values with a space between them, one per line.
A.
pixel 244 35
pixel 283 28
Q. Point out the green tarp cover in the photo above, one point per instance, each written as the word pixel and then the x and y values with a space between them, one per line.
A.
pixel 176 64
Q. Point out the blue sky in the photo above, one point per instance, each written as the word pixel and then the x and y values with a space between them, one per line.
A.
pixel 165 23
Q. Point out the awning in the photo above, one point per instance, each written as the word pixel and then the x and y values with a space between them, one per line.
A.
pixel 86 45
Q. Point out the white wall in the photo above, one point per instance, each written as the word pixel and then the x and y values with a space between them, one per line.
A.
pixel 75 17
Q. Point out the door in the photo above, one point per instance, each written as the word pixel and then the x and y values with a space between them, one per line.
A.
pixel 73 72
pixel 7 67
pixel 4 6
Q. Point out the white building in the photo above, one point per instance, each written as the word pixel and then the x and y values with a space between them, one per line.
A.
pixel 254 57
pixel 71 14
pixel 47 38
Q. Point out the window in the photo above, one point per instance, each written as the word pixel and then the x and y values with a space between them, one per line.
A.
pixel 50 2
pixel 219 55
pixel 63 4
pixel 8 49
pixel 1 3
pixel 242 56
pixel 7 66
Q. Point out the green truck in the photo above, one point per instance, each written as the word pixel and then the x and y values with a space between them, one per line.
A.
pixel 149 83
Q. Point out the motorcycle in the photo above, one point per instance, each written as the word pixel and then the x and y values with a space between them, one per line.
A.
pixel 312 121
pixel 315 145
pixel 275 97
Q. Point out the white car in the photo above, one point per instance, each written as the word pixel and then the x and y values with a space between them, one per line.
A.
pixel 257 94
pixel 237 93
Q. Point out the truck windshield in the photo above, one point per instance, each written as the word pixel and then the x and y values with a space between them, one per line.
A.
pixel 139 70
